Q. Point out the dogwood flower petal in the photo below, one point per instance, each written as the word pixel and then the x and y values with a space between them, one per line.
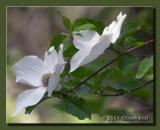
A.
pixel 86 38
pixel 29 70
pixel 54 80
pixel 61 58
pixel 51 59
pixel 97 50
pixel 28 98
pixel 88 54
pixel 115 27
pixel 77 59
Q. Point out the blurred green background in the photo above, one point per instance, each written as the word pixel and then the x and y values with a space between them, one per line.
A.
pixel 29 30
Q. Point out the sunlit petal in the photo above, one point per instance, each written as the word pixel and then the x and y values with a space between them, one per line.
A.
pixel 115 27
pixel 86 38
pixel 78 58
pixel 61 61
pixel 28 98
pixel 97 50
pixel 54 80
pixel 51 59
pixel 29 70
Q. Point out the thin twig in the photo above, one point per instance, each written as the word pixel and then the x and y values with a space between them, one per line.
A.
pixel 107 64
pixel 131 91
pixel 135 48
pixel 89 77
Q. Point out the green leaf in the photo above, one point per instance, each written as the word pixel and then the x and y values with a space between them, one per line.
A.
pixel 128 30
pixel 67 23
pixel 67 43
pixel 139 44
pixel 126 85
pixel 57 40
pixel 76 106
pixel 144 67
pixel 88 26
pixel 131 28
pixel 82 72
pixel 87 23
pixel 111 75
pixel 70 51
pixel 149 75
pixel 126 62
pixel 95 104
pixel 131 42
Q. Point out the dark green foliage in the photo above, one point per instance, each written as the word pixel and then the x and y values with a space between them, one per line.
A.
pixel 126 62
pixel 130 42
pixel 76 106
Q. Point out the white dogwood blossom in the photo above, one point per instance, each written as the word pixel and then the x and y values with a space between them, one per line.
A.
pixel 91 44
pixel 41 75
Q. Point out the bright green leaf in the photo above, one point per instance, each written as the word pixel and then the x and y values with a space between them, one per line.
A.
pixel 67 23
pixel 88 26
pixel 70 51
pixel 57 40
pixel 67 43
pixel 139 43
pixel 87 23
pixel 149 75
pixel 144 67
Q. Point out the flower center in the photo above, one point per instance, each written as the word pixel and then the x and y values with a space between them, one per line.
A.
pixel 45 79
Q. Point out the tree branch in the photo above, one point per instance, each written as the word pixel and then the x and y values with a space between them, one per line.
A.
pixel 131 91
pixel 109 63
